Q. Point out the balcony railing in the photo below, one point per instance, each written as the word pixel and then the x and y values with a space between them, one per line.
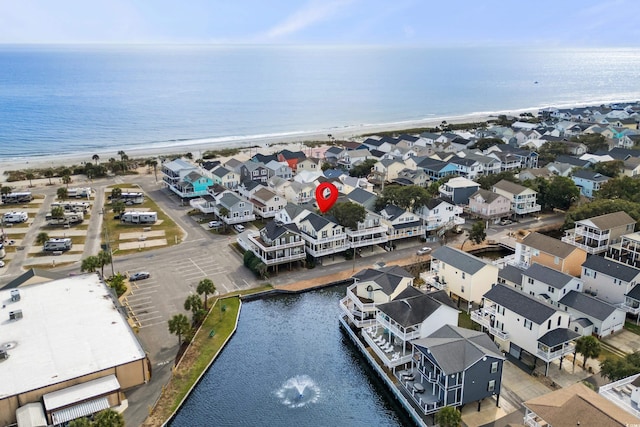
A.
pixel 548 356
pixel 317 241
pixel 357 302
pixel 283 259
pixel 356 317
pixel 532 420
pixel 580 231
pixel 258 242
pixel 405 334
pixel 368 242
pixel 629 308
pixel 484 319
pixel 327 251
pixel 380 229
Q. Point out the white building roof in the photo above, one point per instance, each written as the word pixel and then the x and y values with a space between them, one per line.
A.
pixel 70 328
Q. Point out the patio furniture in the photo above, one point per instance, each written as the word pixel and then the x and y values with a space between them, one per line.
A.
pixel 418 388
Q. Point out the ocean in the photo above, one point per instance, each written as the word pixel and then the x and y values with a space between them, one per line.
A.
pixel 101 98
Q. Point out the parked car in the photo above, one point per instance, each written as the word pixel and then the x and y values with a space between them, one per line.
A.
pixel 505 222
pixel 139 276
pixel 239 228
pixel 215 224
pixel 424 250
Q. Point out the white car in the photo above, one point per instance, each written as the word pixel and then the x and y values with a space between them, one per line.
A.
pixel 215 224
pixel 423 251
pixel 239 228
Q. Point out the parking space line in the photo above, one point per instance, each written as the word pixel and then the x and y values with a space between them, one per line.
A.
pixel 197 266
pixel 143 293
pixel 144 314
pixel 152 324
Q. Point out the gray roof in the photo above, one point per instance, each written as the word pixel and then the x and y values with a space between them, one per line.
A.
pixel 590 175
pixel 456 349
pixel 548 244
pixel 393 211
pixel 459 259
pixel 220 172
pixel 588 305
pixel 511 274
pixel 229 199
pixel 388 278
pixel 634 293
pixel 610 220
pixel 525 305
pixel 318 222
pixel 611 268
pixel 583 321
pixel 293 210
pixel 558 336
pixel 509 187
pixel 361 196
pixel 488 196
pixel 410 311
pixel 274 230
pixel 547 275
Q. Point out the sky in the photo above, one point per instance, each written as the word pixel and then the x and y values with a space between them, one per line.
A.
pixel 580 23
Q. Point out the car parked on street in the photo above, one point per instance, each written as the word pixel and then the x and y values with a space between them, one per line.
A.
pixel 139 276
pixel 424 250
pixel 505 222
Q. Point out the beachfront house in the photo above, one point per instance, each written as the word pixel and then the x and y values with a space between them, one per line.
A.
pixel 279 169
pixel 548 251
pixel 453 366
pixel 523 199
pixel 595 235
pixel 175 170
pixel 226 177
pixel 192 184
pixel 254 171
pixel 464 276
pixel 526 326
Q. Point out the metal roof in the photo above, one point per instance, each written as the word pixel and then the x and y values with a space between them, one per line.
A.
pixel 459 259
pixel 525 305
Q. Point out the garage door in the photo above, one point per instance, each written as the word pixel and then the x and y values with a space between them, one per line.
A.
pixel 514 350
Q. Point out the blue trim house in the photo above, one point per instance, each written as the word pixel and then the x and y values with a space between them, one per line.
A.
pixel 589 181
pixel 192 185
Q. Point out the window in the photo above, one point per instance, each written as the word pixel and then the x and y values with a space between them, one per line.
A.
pixel 492 385
pixel 464 277
pixel 556 260
pixel 530 281
pixel 559 320
pixel 462 288
pixel 549 324
pixel 528 324
pixel 494 367
pixel 551 289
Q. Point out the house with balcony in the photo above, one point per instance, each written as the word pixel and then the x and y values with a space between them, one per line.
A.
pixel 401 224
pixel 248 188
pixel 627 251
pixel 607 279
pixel 291 213
pixel 254 171
pixel 526 158
pixel 464 276
pixel 373 286
pixel 278 244
pixel 488 205
pixel 548 251
pixel 523 199
pixel 467 167
pixel 175 170
pixel 459 189
pixel 386 170
pixel 346 184
pixel 453 367
pixel 266 203
pixel 299 192
pixel 595 235
pixel 192 184
pixel 411 315
pixel 226 177
pixel 526 326
pixel 233 209
pixel 349 158
pixel 578 405
pixel 292 158
pixel 412 177
pixel 371 231
pixel 439 214
pixel 588 181
pixel 434 168
pixel 548 284
pixel 592 316
pixel 322 236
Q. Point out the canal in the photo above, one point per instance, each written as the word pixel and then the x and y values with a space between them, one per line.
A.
pixel 289 364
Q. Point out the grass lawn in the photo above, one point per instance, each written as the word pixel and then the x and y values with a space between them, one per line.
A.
pixel 172 232
pixel 606 354
pixel 632 327
pixel 464 321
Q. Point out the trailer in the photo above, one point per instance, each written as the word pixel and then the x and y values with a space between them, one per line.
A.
pixel 136 198
pixel 73 206
pixel 68 218
pixel 62 244
pixel 79 193
pixel 15 217
pixel 21 197
pixel 139 217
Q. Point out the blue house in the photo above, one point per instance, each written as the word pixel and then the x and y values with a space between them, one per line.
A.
pixel 589 181
pixel 193 184
pixel 437 169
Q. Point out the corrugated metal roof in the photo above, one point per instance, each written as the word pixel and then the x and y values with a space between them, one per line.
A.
pixel 80 410
pixel 77 393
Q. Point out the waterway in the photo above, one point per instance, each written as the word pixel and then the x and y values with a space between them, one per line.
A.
pixel 289 364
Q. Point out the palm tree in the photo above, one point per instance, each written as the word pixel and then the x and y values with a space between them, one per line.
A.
pixel 154 165
pixel 207 288
pixel 62 193
pixel 448 416
pixel 66 179
pixel 95 158
pixel 589 347
pixel 48 174
pixel 57 212
pixel 118 207
pixel 104 258
pixel 30 176
pixel 122 155
pixel 193 303
pixel 108 418
pixel 116 193
pixel 42 238
pixel 179 325
pixel 4 190
pixel 90 264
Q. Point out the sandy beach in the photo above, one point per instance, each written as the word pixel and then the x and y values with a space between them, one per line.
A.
pixel 266 144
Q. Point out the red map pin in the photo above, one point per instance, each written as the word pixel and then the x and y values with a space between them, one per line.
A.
pixel 326 196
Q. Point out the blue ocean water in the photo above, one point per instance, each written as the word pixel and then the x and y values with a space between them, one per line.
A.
pixel 90 98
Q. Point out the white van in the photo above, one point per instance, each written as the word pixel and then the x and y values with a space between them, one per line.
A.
pixel 239 228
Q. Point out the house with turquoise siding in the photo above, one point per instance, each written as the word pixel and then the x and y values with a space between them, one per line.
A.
pixel 192 184
pixel 588 181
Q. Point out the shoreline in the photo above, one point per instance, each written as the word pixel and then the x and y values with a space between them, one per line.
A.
pixel 264 142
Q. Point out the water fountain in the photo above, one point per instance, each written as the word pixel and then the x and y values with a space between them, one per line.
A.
pixel 298 391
